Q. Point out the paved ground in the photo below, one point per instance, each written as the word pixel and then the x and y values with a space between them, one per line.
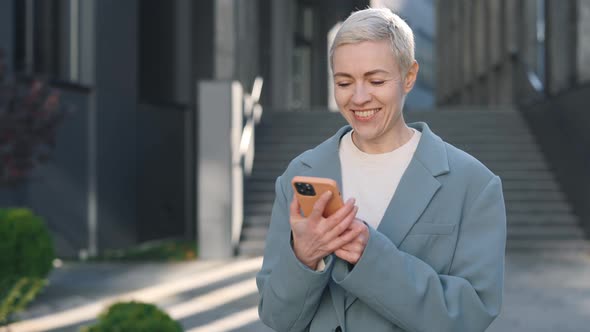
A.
pixel 542 293
pixel 546 293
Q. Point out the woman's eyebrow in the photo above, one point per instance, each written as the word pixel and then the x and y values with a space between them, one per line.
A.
pixel 376 71
pixel 343 74
pixel 369 73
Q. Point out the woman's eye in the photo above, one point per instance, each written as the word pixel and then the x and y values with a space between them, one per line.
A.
pixel 377 82
pixel 343 84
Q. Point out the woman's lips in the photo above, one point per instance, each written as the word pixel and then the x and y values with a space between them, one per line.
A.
pixel 366 114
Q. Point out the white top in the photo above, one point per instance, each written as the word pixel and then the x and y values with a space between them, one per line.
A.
pixel 373 178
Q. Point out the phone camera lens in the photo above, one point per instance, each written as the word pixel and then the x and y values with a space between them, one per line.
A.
pixel 305 189
pixel 300 188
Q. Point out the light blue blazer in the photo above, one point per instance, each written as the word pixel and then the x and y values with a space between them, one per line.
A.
pixel 435 263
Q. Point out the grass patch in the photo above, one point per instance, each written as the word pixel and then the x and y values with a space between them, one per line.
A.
pixel 153 251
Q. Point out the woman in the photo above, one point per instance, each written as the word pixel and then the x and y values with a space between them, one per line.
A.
pixel 419 244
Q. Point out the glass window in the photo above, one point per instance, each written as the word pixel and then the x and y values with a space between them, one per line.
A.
pixel 46 38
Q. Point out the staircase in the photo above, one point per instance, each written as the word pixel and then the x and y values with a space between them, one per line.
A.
pixel 539 215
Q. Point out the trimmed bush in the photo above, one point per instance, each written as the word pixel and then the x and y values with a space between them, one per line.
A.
pixel 26 259
pixel 134 317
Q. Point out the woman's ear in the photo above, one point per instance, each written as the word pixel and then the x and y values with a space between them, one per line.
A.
pixel 411 77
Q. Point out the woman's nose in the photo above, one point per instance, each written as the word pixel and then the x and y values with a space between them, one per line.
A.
pixel 361 95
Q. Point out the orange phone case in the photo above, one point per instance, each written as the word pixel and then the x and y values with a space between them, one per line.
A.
pixel 320 185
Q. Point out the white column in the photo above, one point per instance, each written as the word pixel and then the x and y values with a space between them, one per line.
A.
pixel 220 121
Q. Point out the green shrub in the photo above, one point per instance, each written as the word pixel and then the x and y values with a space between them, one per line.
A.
pixel 26 259
pixel 134 317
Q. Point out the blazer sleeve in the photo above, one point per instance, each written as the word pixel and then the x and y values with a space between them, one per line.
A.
pixel 290 292
pixel 409 293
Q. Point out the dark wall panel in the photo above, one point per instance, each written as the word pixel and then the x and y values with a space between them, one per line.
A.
pixel 203 62
pixel 7 31
pixel 561 127
pixel 58 191
pixel 160 172
pixel 116 100
pixel 156 56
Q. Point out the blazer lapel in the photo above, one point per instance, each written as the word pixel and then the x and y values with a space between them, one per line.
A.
pixel 415 190
pixel 324 160
pixel 417 186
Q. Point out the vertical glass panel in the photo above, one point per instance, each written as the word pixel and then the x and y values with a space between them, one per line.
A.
pixel 541 40
pixel 300 95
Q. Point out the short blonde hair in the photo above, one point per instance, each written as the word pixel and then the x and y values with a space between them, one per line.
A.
pixel 376 24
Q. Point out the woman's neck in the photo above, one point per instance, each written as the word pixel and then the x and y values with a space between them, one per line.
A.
pixel 387 143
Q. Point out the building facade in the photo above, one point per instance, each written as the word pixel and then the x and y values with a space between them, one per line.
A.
pixel 530 53
pixel 126 160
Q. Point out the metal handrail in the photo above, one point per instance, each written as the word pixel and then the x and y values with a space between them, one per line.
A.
pixel 251 113
pixel 533 80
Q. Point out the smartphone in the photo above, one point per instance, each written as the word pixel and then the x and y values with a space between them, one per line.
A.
pixel 308 189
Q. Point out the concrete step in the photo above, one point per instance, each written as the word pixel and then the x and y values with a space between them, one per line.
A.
pixel 523 175
pixel 548 245
pixel 537 207
pixel 256 220
pixel 255 233
pixel 477 149
pixel 521 195
pixel 516 165
pixel 539 185
pixel 261 184
pixel 534 220
pixel 544 232
pixel 251 248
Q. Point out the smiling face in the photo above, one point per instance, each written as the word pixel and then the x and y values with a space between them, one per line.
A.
pixel 370 91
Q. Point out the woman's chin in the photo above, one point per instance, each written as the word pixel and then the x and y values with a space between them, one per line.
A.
pixel 363 135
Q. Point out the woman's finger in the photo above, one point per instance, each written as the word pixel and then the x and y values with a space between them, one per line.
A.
pixel 294 207
pixel 319 206
pixel 336 229
pixel 344 211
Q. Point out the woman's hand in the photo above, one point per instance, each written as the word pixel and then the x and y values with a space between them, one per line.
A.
pixel 353 250
pixel 316 237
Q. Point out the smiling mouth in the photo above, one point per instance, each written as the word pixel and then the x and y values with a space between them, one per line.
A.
pixel 365 114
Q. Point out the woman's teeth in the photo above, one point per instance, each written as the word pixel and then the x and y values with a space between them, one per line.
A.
pixel 365 114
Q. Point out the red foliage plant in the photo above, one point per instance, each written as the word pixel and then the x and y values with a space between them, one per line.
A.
pixel 29 116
